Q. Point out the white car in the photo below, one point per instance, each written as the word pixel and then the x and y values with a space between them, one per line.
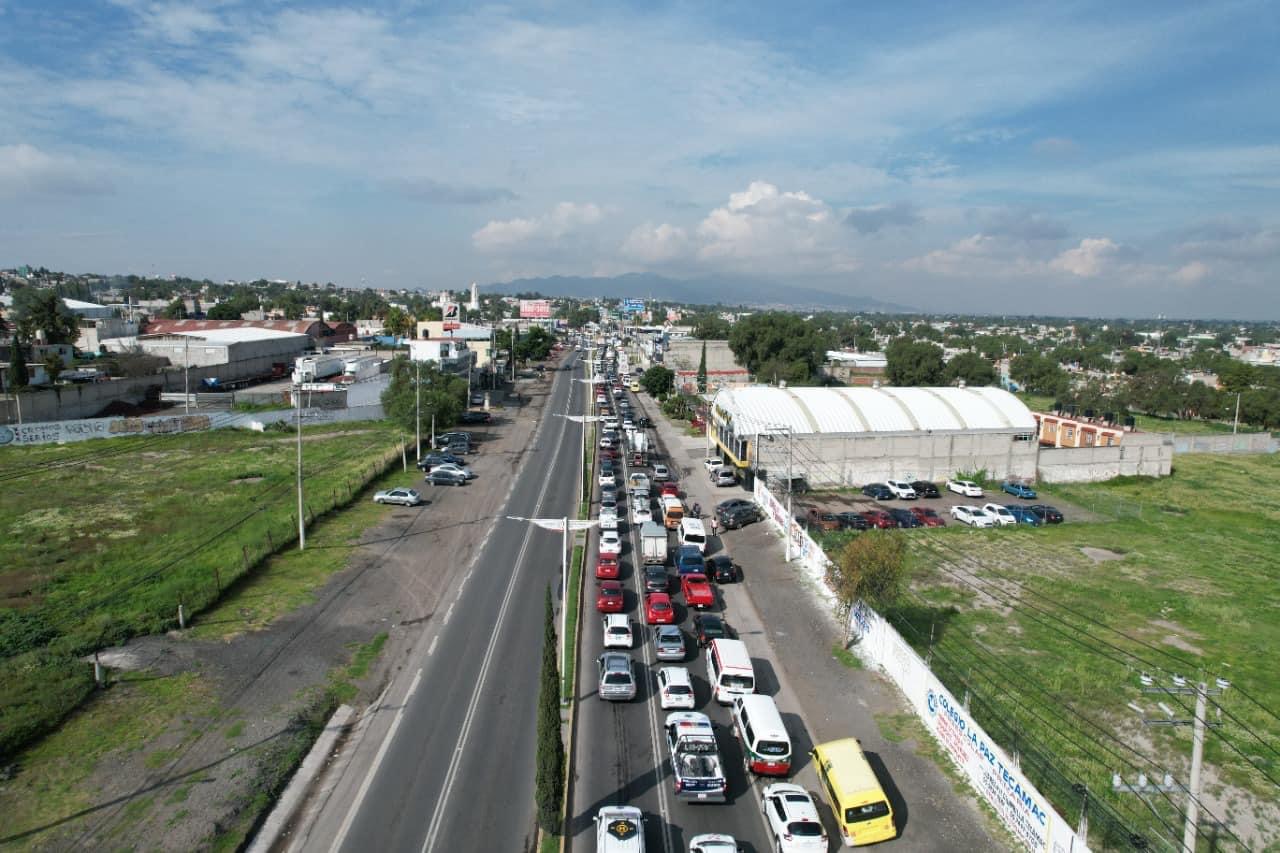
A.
pixel 453 468
pixel 675 688
pixel 968 488
pixel 1001 515
pixel 619 829
pixel 793 819
pixel 974 516
pixel 661 474
pixel 640 515
pixel 901 489
pixel 617 631
pixel 606 442
pixel 607 478
pixel 405 497
pixel 608 522
pixel 712 464
pixel 713 842
pixel 611 542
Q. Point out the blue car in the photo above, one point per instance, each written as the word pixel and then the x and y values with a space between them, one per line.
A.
pixel 1018 490
pixel 877 491
pixel 689 560
pixel 1024 515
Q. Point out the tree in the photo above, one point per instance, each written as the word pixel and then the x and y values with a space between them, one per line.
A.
pixel 397 322
pixel 972 368
pixel 702 370
pixel 19 377
pixel 657 381
pixel 872 567
pixel 549 772
pixel 534 345
pixel 53 366
pixel 777 336
pixel 42 310
pixel 1038 374
pixel 913 363
pixel 711 327
pixel 442 395
pixel 175 310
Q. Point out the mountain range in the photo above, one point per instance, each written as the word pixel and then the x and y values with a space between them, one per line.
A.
pixel 752 293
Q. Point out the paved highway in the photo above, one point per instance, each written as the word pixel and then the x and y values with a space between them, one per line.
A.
pixel 447 761
pixel 622 754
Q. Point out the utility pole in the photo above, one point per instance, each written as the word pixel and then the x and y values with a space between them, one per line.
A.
pixel 302 521
pixel 790 515
pixel 417 409
pixel 1202 692
pixel 186 374
pixel 1235 426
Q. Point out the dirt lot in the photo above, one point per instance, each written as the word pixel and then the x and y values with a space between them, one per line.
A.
pixel 185 750
pixel 855 502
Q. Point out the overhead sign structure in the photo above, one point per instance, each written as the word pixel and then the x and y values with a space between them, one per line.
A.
pixel 633 306
pixel 452 316
pixel 535 309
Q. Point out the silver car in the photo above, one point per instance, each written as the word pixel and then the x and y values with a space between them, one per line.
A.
pixel 668 642
pixel 405 497
pixel 617 678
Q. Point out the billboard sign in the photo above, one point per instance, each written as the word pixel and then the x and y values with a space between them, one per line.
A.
pixel 535 309
pixel 452 315
pixel 632 306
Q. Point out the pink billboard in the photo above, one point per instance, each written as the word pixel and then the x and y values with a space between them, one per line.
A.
pixel 535 309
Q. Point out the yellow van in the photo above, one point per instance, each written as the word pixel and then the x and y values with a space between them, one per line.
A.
pixel 850 786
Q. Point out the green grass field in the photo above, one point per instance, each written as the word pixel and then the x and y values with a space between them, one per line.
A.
pixel 105 545
pixel 1049 629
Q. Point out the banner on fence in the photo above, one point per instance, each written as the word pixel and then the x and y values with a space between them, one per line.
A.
pixel 61 432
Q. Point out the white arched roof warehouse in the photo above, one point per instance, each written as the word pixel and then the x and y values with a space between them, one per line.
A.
pixel 753 409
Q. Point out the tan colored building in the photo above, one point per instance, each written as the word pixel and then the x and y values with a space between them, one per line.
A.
pixel 1063 431
pixel 477 338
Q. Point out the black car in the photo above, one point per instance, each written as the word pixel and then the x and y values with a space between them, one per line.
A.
pixel 722 569
pixel 433 459
pixel 655 579
pixel 925 489
pixel 708 627
pixel 877 491
pixel 445 478
pixel 732 505
pixel 475 417
pixel 905 518
pixel 1046 513
pixel 644 422
pixel 740 517
pixel 852 520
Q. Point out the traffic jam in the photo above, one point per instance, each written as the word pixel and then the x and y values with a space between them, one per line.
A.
pixel 690 723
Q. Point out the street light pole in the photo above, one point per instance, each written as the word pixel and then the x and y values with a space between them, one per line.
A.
pixel 302 523
pixel 790 517
pixel 417 409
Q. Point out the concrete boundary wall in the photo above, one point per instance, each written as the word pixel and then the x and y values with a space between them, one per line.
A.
pixel 1023 810
pixel 1251 442
pixel 1139 454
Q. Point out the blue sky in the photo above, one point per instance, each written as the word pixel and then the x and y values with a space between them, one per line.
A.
pixel 1094 158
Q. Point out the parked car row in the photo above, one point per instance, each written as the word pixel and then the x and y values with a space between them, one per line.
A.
pixel 996 515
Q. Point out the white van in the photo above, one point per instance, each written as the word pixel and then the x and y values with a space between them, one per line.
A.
pixel 693 533
pixel 766 747
pixel 729 670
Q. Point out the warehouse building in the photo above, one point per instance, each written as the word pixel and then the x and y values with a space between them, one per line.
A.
pixel 844 437
pixel 244 352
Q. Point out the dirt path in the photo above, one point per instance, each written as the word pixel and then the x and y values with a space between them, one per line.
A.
pixel 211 767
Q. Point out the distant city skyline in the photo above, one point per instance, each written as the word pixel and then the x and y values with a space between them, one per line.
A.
pixel 1080 159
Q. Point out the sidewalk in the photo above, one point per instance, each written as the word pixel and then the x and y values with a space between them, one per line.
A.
pixel 777 604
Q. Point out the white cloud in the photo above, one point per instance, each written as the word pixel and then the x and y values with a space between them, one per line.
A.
pixel 1191 273
pixel 179 23
pixel 26 170
pixel 1056 146
pixel 564 219
pixel 1090 258
pixel 978 255
pixel 657 244
pixel 765 229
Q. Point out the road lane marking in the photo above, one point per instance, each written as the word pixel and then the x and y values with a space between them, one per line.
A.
pixel 433 829
pixel 373 769
pixel 448 614
pixel 432 650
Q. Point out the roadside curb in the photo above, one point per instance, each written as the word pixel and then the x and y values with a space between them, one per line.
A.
pixel 294 795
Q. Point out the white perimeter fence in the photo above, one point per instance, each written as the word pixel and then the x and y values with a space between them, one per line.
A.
pixel 1024 811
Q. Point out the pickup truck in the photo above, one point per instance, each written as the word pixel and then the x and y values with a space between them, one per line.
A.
pixel 697 591
pixel 695 759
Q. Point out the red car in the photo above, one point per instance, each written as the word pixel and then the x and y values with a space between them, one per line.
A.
pixel 658 609
pixel 609 452
pixel 609 597
pixel 670 487
pixel 879 518
pixel 607 567
pixel 697 591
pixel 928 517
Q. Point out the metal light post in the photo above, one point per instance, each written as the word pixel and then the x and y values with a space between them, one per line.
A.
pixel 302 523
pixel 417 409
pixel 772 430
